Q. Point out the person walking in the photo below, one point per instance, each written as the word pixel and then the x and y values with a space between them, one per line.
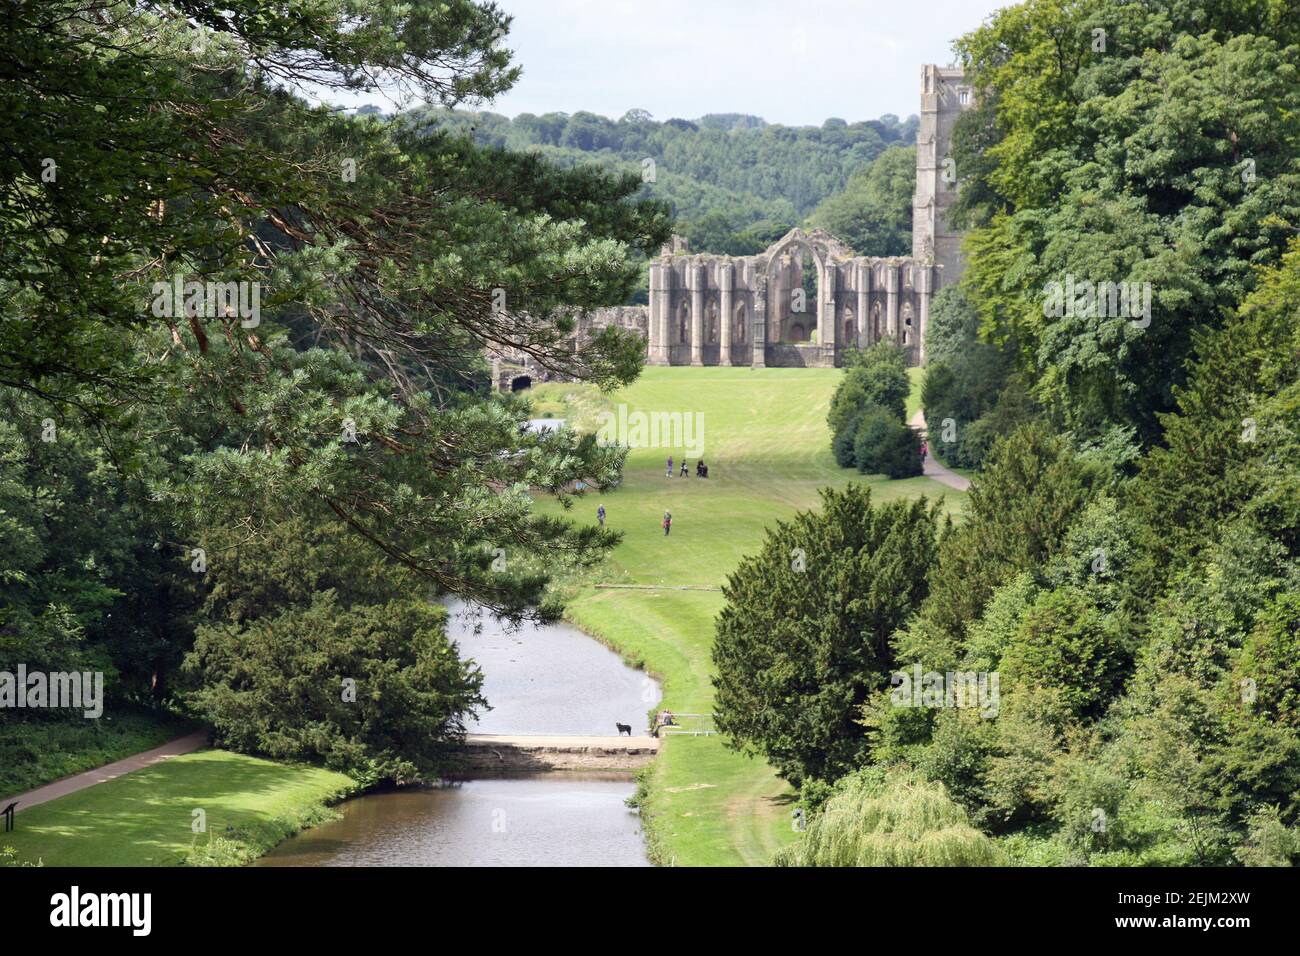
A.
pixel 600 515
pixel 686 472
pixel 670 466
pixel 668 522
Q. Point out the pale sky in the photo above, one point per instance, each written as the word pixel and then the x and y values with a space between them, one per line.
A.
pixel 795 62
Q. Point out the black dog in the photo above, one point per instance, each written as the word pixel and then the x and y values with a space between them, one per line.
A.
pixel 623 728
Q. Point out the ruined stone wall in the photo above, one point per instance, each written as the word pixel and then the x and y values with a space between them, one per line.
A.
pixel 756 311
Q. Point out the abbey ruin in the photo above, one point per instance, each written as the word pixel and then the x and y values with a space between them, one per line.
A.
pixel 807 297
pixel 760 310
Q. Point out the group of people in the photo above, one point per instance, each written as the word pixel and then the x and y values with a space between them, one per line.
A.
pixel 664 718
pixel 701 469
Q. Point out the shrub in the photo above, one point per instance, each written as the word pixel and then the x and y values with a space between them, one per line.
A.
pixel 907 821
pixel 873 426
pixel 842 443
pixel 883 445
pixel 275 685
pixel 876 376
pixel 899 455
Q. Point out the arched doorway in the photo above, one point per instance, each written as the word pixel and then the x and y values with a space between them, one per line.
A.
pixel 521 382
pixel 797 333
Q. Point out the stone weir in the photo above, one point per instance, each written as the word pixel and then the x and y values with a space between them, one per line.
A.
pixel 557 752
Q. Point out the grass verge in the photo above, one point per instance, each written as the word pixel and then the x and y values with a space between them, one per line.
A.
pixel 36 752
pixel 147 818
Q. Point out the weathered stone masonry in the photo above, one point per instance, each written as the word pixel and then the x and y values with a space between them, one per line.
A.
pixel 751 310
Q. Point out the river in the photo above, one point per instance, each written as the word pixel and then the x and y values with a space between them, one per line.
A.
pixel 539 680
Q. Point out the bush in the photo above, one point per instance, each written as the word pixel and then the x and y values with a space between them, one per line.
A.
pixel 883 445
pixel 874 376
pixel 873 427
pixel 276 685
pixel 899 455
pixel 842 443
pixel 907 821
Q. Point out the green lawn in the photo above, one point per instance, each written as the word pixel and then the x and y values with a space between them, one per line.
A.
pixel 144 818
pixel 768 451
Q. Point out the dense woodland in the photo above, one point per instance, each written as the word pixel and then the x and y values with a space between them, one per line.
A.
pixel 232 514
pixel 1128 563
pixel 734 183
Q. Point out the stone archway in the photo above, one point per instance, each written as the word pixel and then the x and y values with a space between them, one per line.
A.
pixel 788 323
pixel 521 382
pixel 683 324
pixel 738 336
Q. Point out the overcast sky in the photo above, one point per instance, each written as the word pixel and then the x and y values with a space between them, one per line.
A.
pixel 796 62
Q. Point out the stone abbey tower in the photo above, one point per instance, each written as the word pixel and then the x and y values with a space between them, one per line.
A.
pixel 759 310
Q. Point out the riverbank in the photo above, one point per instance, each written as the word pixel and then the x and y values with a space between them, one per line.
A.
pixel 246 805
pixel 766 442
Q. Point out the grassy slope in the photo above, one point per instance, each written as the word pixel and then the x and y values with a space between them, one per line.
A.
pixel 144 818
pixel 768 450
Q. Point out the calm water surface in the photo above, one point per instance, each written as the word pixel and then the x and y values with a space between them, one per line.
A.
pixel 539 680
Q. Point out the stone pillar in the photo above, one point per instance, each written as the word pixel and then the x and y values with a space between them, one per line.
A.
pixel 758 331
pixel 923 278
pixel 827 334
pixel 725 281
pixel 891 303
pixel 696 285
pixel 864 287
pixel 657 332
